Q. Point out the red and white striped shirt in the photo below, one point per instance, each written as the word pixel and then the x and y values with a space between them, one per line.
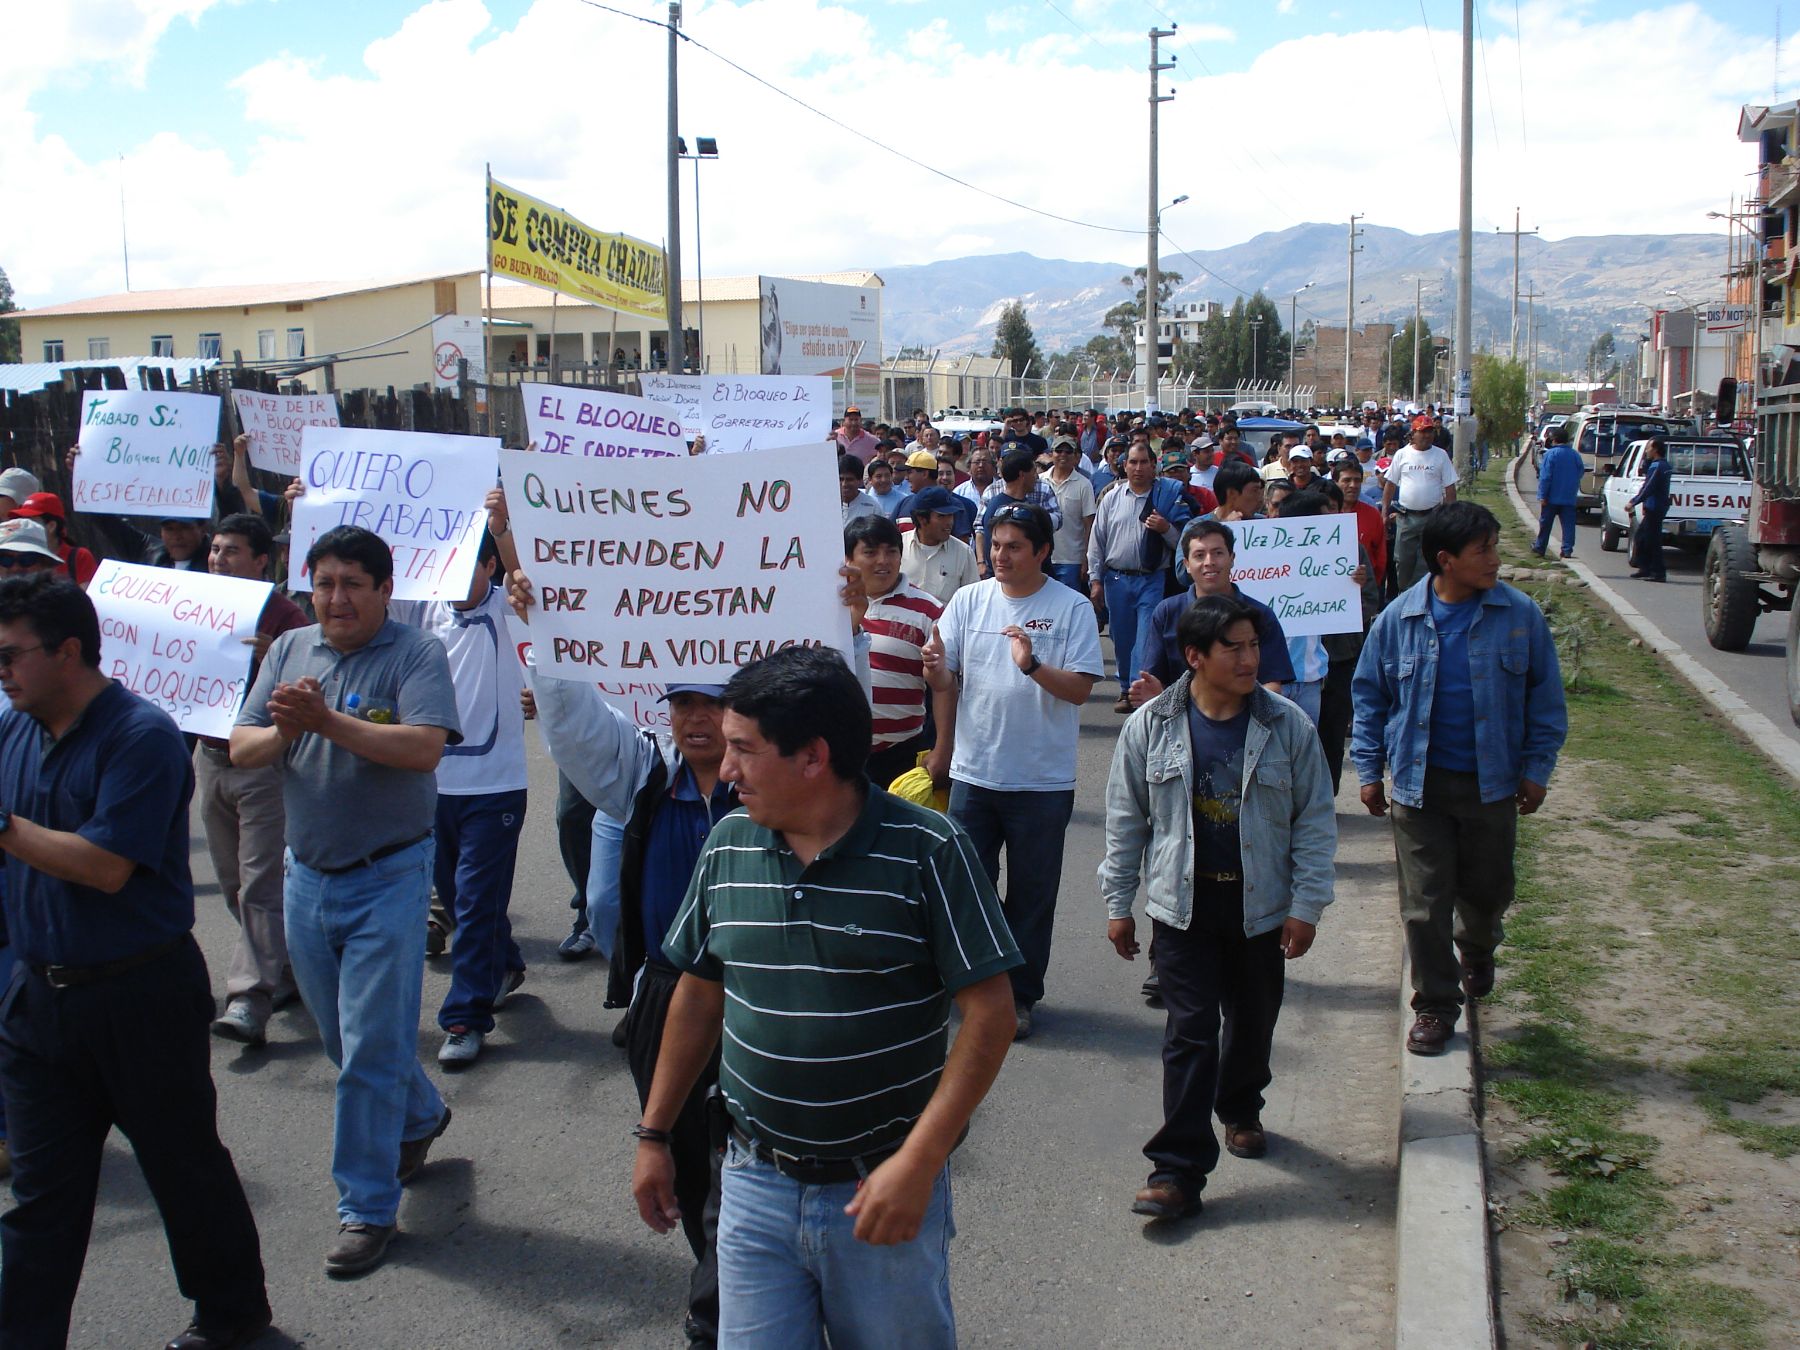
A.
pixel 898 624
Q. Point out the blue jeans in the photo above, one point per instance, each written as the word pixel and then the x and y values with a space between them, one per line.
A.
pixel 1031 825
pixel 607 848
pixel 477 845
pixel 1069 574
pixel 1548 515
pixel 1130 600
pixel 7 961
pixel 1307 694
pixel 790 1273
pixel 357 944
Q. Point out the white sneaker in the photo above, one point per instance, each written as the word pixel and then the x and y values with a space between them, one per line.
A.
pixel 460 1047
pixel 239 1022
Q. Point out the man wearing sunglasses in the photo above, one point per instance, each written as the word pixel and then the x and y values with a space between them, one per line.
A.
pixel 25 548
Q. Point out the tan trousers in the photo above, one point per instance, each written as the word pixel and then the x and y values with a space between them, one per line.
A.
pixel 246 832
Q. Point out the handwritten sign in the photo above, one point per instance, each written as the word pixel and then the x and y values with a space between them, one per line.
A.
pixel 274 423
pixel 423 493
pixel 1301 569
pixel 593 424
pixel 640 702
pixel 746 412
pixel 146 453
pixel 179 639
pixel 665 572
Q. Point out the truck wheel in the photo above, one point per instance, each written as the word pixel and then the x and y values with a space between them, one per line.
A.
pixel 1793 658
pixel 1611 536
pixel 1728 594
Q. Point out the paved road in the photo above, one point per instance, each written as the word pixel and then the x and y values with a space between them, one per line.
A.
pixel 1757 674
pixel 520 1231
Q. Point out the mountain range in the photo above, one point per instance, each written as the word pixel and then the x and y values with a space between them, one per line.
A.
pixel 1585 286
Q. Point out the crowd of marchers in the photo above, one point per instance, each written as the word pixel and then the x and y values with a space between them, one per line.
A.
pixel 796 887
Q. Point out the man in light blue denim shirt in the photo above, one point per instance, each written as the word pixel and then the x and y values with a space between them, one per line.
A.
pixel 1458 694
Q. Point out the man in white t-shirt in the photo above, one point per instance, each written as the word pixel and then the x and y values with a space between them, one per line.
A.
pixel 1028 654
pixel 480 805
pixel 1420 479
pixel 1075 495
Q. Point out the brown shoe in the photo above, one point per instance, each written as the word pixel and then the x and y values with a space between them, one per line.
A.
pixel 1430 1034
pixel 1165 1200
pixel 413 1151
pixel 1477 972
pixel 1246 1140
pixel 359 1247
pixel 1123 705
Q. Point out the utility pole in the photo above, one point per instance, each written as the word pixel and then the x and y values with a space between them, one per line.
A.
pixel 1152 281
pixel 1418 324
pixel 677 342
pixel 1350 306
pixel 1465 247
pixel 1531 342
pixel 1515 232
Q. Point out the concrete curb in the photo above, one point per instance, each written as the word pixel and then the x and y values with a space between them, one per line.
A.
pixel 1442 1279
pixel 1762 733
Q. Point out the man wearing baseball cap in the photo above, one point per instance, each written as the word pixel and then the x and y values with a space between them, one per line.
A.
pixel 25 548
pixel 852 439
pixel 1420 479
pixel 15 486
pixel 47 509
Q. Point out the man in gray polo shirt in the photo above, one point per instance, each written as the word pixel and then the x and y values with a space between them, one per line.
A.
pixel 360 709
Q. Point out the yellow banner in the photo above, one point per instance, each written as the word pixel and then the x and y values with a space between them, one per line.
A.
pixel 533 242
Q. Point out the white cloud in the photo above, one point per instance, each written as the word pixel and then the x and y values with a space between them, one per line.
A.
pixel 1281 7
pixel 378 169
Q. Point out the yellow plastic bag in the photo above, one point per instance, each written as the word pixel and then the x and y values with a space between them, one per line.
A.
pixel 915 785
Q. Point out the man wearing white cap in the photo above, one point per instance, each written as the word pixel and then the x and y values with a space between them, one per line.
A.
pixel 25 547
pixel 15 486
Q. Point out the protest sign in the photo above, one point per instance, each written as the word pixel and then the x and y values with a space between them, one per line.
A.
pixel 746 412
pixel 593 424
pixel 536 243
pixel 1301 568
pixel 421 492
pixel 642 703
pixel 274 423
pixel 677 572
pixel 179 639
pixel 146 453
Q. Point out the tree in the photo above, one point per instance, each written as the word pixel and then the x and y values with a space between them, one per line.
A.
pixel 1501 400
pixel 1124 317
pixel 1014 341
pixel 9 328
pixel 1602 360
pixel 1403 358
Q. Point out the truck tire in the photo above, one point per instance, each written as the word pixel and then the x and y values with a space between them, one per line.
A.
pixel 1793 657
pixel 1611 536
pixel 1729 596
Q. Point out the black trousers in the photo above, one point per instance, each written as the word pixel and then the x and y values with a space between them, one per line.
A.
pixel 696 1153
pixel 1335 712
pixel 1646 544
pixel 131 1051
pixel 886 765
pixel 574 838
pixel 1222 992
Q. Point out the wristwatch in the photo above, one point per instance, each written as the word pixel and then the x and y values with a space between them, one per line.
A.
pixel 1032 669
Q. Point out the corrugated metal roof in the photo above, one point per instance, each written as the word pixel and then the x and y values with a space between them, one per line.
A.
pixel 718 290
pixel 229 297
pixel 33 376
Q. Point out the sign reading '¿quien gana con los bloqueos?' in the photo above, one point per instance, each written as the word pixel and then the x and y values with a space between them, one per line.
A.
pixel 422 492
pixel 593 424
pixel 275 423
pixel 146 453
pixel 179 639
pixel 1301 568
pixel 660 571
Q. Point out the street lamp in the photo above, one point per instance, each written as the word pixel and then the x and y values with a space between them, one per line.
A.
pixel 1293 336
pixel 1255 335
pixel 1152 337
pixel 705 147
pixel 1393 337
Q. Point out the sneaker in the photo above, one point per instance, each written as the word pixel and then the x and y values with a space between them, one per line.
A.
pixel 1021 1021
pixel 239 1022
pixel 436 938
pixel 460 1048
pixel 579 945
pixel 359 1247
pixel 514 978
pixel 413 1151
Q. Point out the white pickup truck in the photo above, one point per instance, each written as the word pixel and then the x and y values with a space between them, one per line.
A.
pixel 1709 485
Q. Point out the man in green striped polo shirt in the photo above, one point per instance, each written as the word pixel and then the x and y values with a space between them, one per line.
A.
pixel 828 927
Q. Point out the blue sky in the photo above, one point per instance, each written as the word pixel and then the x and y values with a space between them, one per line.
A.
pixel 279 139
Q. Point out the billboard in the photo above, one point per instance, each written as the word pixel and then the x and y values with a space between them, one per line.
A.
pixel 818 328
pixel 1727 318
pixel 534 242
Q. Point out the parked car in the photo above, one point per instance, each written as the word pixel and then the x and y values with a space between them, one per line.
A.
pixel 1602 435
pixel 1709 486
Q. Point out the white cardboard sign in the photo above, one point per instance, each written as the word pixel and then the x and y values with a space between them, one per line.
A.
pixel 640 702
pixel 422 492
pixel 659 572
pixel 596 424
pixel 146 453
pixel 275 422
pixel 746 412
pixel 179 639
pixel 1301 568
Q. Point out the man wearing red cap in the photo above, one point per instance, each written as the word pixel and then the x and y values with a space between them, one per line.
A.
pixel 1421 478
pixel 852 439
pixel 47 508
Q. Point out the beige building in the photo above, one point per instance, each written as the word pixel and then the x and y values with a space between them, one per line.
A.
pixel 384 322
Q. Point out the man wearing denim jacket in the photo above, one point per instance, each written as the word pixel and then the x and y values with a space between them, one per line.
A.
pixel 1458 693
pixel 1219 804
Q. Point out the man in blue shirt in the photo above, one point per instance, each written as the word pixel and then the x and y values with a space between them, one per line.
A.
pixel 1652 501
pixel 1458 692
pixel 1558 488
pixel 105 1019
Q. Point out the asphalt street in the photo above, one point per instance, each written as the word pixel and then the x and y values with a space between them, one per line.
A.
pixel 1757 674
pixel 520 1230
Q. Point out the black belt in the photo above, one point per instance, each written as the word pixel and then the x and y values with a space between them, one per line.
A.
pixel 67 977
pixel 375 857
pixel 1220 876
pixel 814 1171
pixel 1415 510
pixel 1135 571
pixel 217 749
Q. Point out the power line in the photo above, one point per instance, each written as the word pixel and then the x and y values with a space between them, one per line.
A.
pixel 863 135
pixel 1519 52
pixel 1487 78
pixel 1449 121
pixel 1227 282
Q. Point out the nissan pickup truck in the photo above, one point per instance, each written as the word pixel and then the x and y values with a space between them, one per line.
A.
pixel 1709 485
